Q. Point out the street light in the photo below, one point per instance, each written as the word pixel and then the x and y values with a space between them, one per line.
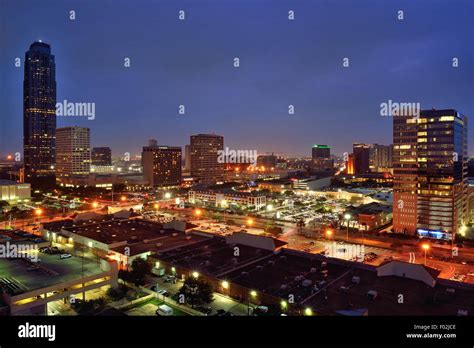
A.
pixel 347 217
pixel 167 195
pixel 123 198
pixel 284 305
pixel 156 206
pixel 329 233
pixel 195 275
pixel 38 212
pixel 198 212
pixel 308 311
pixel 95 205
pixel 250 222
pixel 425 247
pixel 225 284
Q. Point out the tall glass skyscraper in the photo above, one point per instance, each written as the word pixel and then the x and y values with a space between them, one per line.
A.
pixel 39 116
pixel 430 173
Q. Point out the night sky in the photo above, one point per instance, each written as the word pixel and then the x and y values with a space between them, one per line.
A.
pixel 282 62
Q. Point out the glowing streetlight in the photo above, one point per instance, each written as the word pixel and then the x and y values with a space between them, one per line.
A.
pixel 156 206
pixel 225 284
pixel 347 217
pixel 284 304
pixel 95 205
pixel 250 222
pixel 38 211
pixel 253 293
pixel 308 311
pixel 167 195
pixel 123 198
pixel 270 207
pixel 425 247
pixel 329 233
pixel 198 212
pixel 195 275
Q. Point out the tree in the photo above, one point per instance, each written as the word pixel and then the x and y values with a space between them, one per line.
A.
pixel 217 216
pixel 140 268
pixel 196 292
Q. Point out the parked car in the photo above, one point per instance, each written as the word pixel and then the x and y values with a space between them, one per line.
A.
pixel 65 256
pixel 164 311
pixel 163 292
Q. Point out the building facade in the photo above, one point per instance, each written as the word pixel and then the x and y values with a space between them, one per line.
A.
pixel 430 173
pixel 39 116
pixel 162 165
pixel 361 153
pixel 73 152
pixel 204 158
pixel 101 156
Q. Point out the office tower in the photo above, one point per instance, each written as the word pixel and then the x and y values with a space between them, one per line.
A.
pixel 361 154
pixel 430 173
pixel 322 161
pixel 152 142
pixel 321 151
pixel 205 166
pixel 162 165
pixel 187 158
pixel 39 116
pixel 101 156
pixel 73 153
pixel 380 157
pixel 350 164
pixel 267 161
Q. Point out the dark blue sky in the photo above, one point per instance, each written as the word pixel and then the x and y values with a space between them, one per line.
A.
pixel 282 62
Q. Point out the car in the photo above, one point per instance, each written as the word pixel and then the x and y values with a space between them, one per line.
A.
pixel 154 288
pixel 64 256
pixel 164 311
pixel 163 292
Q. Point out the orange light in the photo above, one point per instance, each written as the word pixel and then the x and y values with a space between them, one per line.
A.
pixel 9 157
pixel 198 212
pixel 250 222
pixel 425 246
pixel 95 204
pixel 39 211
pixel 156 206
pixel 123 198
pixel 329 233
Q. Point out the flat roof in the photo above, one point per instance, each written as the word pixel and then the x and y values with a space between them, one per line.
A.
pixel 211 256
pixel 53 271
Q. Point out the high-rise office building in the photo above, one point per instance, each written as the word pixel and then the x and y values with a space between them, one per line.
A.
pixel 101 156
pixel 361 153
pixel 380 157
pixel 322 161
pixel 187 158
pixel 205 166
pixel 267 161
pixel 39 116
pixel 162 165
pixel 430 173
pixel 321 151
pixel 73 152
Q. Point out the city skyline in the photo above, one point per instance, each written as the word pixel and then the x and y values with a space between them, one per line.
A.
pixel 147 103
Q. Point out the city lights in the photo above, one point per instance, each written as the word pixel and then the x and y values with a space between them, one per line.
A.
pixel 195 275
pixel 225 284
